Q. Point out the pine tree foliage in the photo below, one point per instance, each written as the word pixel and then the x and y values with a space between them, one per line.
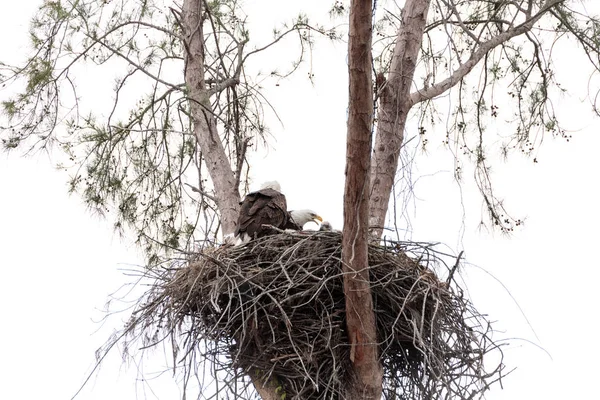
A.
pixel 138 158
pixel 142 155
pixel 485 75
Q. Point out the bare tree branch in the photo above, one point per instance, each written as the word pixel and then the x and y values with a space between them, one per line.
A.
pixel 483 49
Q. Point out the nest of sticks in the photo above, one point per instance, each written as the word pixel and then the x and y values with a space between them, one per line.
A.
pixel 274 310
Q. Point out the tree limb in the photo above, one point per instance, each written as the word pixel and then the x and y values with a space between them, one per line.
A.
pixel 464 69
pixel 396 99
pixel 393 110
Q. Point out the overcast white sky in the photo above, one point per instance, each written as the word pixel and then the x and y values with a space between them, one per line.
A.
pixel 60 263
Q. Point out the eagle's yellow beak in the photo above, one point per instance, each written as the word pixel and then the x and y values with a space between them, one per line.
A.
pixel 318 218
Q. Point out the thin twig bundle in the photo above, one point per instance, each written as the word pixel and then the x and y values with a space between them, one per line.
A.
pixel 274 309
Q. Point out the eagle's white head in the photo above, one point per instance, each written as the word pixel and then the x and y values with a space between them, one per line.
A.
pixel 301 217
pixel 271 185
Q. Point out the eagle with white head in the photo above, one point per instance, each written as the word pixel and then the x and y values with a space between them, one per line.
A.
pixel 268 206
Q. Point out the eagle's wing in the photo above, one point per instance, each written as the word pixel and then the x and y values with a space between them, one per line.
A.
pixel 248 209
pixel 291 224
pixel 263 207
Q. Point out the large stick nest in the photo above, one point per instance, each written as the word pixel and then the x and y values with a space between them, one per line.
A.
pixel 274 309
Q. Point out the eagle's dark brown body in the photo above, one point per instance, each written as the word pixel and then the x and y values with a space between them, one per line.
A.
pixel 263 207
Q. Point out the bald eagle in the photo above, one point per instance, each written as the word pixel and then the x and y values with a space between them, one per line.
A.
pixel 268 206
pixel 298 218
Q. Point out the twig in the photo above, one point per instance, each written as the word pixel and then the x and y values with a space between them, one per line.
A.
pixel 454 268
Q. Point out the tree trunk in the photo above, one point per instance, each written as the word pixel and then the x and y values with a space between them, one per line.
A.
pixel 360 317
pixel 226 191
pixel 395 103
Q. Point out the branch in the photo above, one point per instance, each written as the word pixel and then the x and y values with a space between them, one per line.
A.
pixel 454 268
pixel 109 32
pixel 460 22
pixel 130 61
pixel 587 42
pixel 294 28
pixel 439 88
pixel 230 81
pixel 202 193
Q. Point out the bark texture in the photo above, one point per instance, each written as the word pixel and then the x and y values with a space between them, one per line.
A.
pixel 226 191
pixel 359 303
pixel 395 102
pixel 219 167
pixel 396 99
